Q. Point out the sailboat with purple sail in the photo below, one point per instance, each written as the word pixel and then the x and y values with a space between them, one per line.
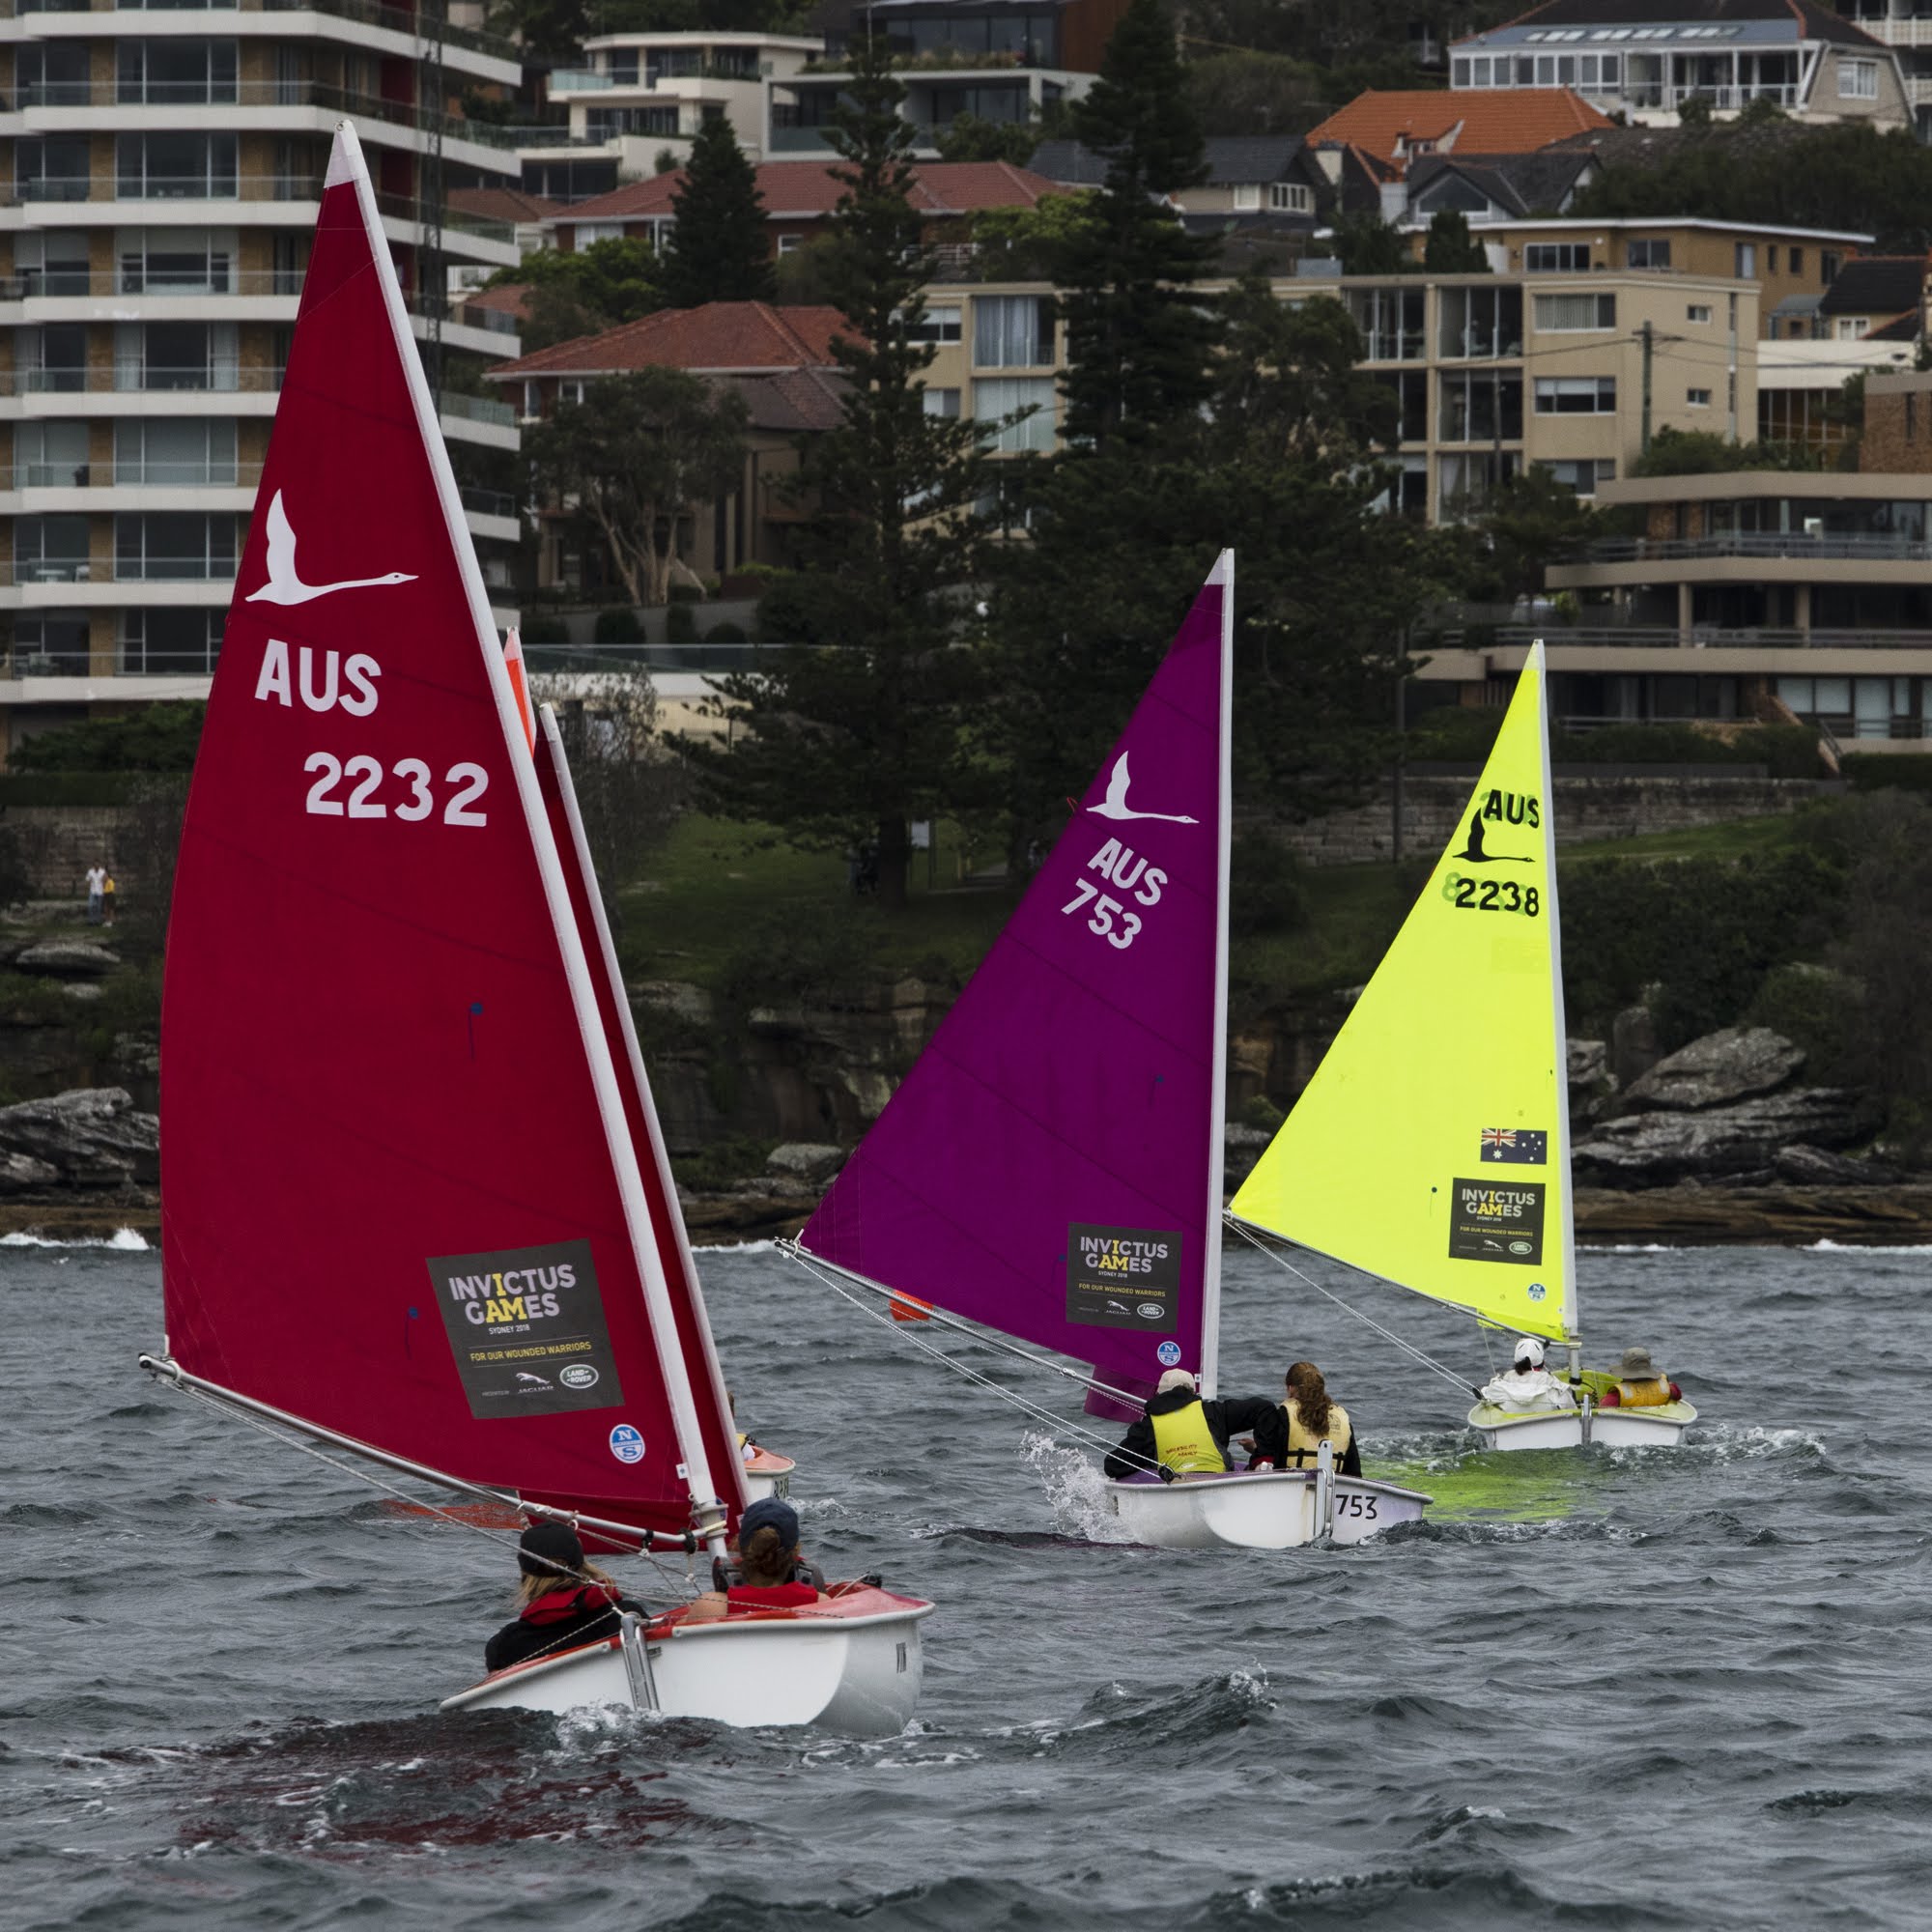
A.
pixel 1050 1168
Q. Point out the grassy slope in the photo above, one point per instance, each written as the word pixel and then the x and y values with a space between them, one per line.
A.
pixel 719 890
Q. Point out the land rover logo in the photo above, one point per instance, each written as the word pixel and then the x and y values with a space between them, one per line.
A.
pixel 1152 1310
pixel 1520 1247
pixel 579 1376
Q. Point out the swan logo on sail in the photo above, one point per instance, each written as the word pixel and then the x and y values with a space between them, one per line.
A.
pixel 1115 805
pixel 526 1328
pixel 1123 1277
pixel 1493 1223
pixel 285 584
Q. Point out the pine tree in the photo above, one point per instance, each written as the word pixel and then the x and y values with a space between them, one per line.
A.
pixel 720 248
pixel 1140 341
pixel 858 730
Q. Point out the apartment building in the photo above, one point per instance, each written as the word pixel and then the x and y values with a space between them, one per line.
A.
pixel 640 95
pixel 1906 28
pixel 1645 60
pixel 1753 590
pixel 989 59
pixel 165 166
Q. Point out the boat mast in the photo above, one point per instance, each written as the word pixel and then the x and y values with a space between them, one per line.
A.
pixel 1222 574
pixel 348 164
pixel 1559 1132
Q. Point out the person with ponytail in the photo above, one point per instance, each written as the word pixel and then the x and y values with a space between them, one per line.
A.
pixel 564 1600
pixel 1292 1437
pixel 770 1573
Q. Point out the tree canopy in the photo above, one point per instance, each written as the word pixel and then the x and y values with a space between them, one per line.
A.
pixel 720 248
pixel 585 292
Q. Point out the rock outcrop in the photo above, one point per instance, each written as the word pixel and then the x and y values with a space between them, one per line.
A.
pixel 94 1137
pixel 812 1162
pixel 1654 1150
pixel 1732 1065
pixel 66 959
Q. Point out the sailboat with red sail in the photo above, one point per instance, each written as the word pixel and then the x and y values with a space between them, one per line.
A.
pixel 416 1203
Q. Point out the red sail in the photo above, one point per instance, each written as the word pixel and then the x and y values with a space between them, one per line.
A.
pixel 400 1200
pixel 640 1114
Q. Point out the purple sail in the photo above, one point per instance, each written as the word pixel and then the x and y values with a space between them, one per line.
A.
pixel 1052 1164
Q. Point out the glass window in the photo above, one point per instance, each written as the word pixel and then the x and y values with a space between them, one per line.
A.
pixel 1390 322
pixel 175 355
pixel 180 547
pixel 175 73
pixel 1011 332
pixel 1698 398
pixel 51 550
pixel 176 261
pixel 54 643
pixel 941 402
pixel 52 73
pixel 1291 197
pixel 195 167
pixel 1576 395
pixel 170 641
pixel 1477 321
pixel 1247 197
pixel 1697 312
pixel 1001 396
pixel 1546 258
pixel 1647 254
pixel 1581 474
pixel 1745 261
pixel 1582 312
pixel 53 358
pixel 1858 80
pixel 51 456
pixel 1458 72
pixel 159 451
pixel 1479 406
pixel 54 169
pixel 936 324
pixel 51 261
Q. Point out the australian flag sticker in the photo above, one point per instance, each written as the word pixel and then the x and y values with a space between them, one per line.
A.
pixel 1516 1144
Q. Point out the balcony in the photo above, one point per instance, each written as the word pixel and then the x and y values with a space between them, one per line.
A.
pixel 213 378
pixel 1895 31
pixel 1558 637
pixel 1659 96
pixel 1789 547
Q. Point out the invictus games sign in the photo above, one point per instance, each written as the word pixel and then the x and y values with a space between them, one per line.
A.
pixel 1497 1222
pixel 526 1326
pixel 1123 1277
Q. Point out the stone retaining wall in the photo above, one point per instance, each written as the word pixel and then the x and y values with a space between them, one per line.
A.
pixel 1586 808
pixel 59 842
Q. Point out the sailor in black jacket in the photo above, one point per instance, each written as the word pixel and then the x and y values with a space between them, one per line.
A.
pixel 1180 1435
pixel 566 1602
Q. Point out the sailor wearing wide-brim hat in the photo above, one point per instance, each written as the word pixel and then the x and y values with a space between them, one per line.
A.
pixel 1640 1382
pixel 1638 1367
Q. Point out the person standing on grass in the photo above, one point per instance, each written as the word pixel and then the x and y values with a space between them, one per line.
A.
pixel 96 887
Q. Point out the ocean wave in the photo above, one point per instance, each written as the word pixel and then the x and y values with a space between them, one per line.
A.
pixel 122 1241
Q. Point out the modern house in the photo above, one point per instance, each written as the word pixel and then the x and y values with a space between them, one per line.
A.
pixel 799 198
pixel 987 59
pixel 1486 190
pixel 1905 27
pixel 1810 589
pixel 164 169
pixel 779 359
pixel 1645 60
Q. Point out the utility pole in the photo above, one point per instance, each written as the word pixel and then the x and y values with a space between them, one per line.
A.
pixel 1647 354
pixel 1400 748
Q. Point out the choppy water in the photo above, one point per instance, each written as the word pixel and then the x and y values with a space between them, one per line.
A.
pixel 1633 1689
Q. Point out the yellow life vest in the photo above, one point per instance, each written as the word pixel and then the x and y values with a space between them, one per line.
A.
pixel 1654 1394
pixel 1183 1441
pixel 1304 1445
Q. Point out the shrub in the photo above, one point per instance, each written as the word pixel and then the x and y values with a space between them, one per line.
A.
pixel 685 593
pixel 619 624
pixel 1266 894
pixel 726 633
pixel 545 627
pixel 680 624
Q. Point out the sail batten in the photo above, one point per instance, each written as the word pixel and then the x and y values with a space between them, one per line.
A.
pixel 1044 1169
pixel 1432 1147
pixel 402 1200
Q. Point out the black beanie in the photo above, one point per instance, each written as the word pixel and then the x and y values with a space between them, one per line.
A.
pixel 557 1542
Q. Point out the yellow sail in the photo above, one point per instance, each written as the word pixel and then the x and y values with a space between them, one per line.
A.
pixel 1432 1148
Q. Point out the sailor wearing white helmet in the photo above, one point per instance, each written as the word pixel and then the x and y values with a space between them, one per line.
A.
pixel 1528 1385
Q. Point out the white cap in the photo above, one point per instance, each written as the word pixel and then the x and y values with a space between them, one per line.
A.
pixel 1529 1350
pixel 1173 1378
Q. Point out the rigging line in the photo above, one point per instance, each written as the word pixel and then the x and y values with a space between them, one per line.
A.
pixel 811 1262
pixel 1388 1335
pixel 939 1355
pixel 369 1476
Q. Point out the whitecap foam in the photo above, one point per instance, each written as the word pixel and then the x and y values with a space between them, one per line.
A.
pixel 1829 1247
pixel 127 1240
pixel 737 1248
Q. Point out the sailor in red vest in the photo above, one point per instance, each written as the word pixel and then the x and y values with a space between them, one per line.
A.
pixel 771 1572
pixel 566 1601
pixel 1182 1435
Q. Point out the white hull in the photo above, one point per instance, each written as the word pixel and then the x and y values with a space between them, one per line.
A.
pixel 1573 1429
pixel 1641 1428
pixel 1268 1510
pixel 856 1674
pixel 768 1476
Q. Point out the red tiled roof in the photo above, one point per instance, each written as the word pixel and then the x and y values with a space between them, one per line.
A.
pixel 720 338
pixel 1484 121
pixel 507 299
pixel 797 190
pixel 502 204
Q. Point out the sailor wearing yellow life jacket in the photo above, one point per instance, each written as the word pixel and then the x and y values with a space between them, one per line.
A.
pixel 1181 1435
pixel 1296 1429
pixel 1641 1384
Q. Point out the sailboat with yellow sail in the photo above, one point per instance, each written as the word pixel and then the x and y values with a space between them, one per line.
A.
pixel 1432 1148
